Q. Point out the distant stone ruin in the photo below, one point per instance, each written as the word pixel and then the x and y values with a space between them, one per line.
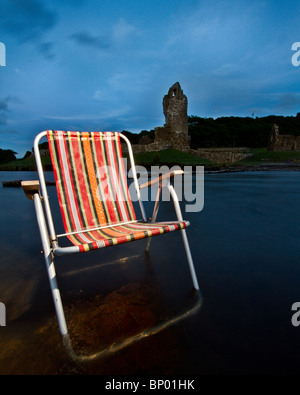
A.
pixel 282 142
pixel 174 133
pixel 222 155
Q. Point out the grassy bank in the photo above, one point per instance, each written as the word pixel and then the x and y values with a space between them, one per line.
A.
pixel 169 157
pixel 27 164
pixel 262 155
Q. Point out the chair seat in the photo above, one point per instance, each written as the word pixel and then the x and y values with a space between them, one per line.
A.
pixel 122 233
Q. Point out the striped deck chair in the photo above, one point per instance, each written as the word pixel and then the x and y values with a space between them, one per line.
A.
pixel 95 203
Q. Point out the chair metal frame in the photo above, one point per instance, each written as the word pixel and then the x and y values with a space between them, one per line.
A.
pixel 37 191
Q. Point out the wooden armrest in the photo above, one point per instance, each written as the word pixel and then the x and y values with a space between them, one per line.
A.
pixel 162 177
pixel 30 188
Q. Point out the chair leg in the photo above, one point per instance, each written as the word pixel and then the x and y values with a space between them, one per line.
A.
pixel 49 260
pixel 56 296
pixel 154 215
pixel 190 259
pixel 184 237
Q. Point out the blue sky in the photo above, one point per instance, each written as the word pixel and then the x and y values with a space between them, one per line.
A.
pixel 106 64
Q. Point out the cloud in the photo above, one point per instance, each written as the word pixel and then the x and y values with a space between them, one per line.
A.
pixel 119 33
pixel 111 113
pixel 26 19
pixel 45 49
pixel 3 111
pixel 3 105
pixel 3 119
pixel 122 30
pixel 288 101
pixel 9 132
pixel 4 108
pixel 226 69
pixel 86 39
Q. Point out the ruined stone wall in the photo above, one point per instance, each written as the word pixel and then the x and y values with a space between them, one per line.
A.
pixel 283 142
pixel 216 155
pixel 165 138
pixel 222 155
pixel 138 148
pixel 174 133
pixel 175 105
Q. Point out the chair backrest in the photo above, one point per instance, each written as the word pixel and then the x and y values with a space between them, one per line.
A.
pixel 90 179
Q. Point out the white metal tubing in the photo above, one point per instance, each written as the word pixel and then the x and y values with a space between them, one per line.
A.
pixel 184 237
pixel 50 264
pixel 154 215
pixel 59 251
pixel 136 184
pixel 43 183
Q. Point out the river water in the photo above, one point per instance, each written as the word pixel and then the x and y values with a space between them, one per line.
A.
pixel 246 250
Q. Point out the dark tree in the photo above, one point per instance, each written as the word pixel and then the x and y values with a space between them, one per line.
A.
pixel 7 155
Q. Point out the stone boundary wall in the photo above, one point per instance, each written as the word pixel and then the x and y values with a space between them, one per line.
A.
pixel 141 148
pixel 282 142
pixel 174 133
pixel 222 155
pixel 216 155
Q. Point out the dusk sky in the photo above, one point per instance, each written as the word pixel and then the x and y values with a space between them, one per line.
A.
pixel 106 64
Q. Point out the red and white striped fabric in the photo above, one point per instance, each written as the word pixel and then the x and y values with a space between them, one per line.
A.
pixel 93 193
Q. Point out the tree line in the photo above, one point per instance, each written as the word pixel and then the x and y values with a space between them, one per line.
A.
pixel 238 131
pixel 210 133
pixel 7 155
pixel 231 131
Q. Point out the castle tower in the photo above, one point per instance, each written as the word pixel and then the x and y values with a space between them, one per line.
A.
pixel 174 133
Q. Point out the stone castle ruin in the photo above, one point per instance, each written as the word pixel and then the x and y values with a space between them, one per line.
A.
pixel 174 133
pixel 282 142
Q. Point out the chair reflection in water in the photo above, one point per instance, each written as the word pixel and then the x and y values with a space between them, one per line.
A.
pixel 97 210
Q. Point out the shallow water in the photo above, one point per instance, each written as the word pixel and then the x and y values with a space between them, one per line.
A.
pixel 245 245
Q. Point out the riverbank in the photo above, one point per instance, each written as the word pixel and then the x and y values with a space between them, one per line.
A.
pixel 259 159
pixel 257 167
pixel 212 169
